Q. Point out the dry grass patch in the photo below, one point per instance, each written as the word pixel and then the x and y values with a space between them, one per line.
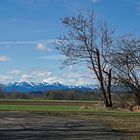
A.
pixel 136 108
pixel 97 106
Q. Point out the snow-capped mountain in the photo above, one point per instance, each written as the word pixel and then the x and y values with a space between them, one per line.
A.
pixel 35 87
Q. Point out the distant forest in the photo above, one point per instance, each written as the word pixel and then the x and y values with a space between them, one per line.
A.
pixel 53 95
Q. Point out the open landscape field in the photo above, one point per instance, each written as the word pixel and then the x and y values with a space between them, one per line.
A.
pixel 52 120
pixel 69 69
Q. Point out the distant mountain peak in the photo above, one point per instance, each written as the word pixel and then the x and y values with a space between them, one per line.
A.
pixel 41 87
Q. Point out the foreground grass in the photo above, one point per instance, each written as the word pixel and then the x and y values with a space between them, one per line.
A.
pixel 67 108
pixel 129 122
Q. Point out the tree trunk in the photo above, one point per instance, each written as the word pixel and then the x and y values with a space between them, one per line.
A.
pixel 109 88
pixel 106 93
pixel 137 94
pixel 107 101
pixel 137 99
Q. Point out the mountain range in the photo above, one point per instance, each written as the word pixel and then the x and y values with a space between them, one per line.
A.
pixel 25 87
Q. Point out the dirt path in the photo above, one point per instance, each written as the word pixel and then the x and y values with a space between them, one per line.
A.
pixel 27 126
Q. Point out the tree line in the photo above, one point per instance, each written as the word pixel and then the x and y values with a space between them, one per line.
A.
pixel 53 95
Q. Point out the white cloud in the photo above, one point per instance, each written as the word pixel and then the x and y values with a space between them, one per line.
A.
pixel 76 78
pixel 25 42
pixel 36 75
pixel 71 76
pixel 5 79
pixel 16 72
pixel 41 73
pixel 26 78
pixel 52 80
pixel 4 58
pixel 42 47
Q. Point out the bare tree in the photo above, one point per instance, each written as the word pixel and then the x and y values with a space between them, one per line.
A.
pixel 126 64
pixel 91 42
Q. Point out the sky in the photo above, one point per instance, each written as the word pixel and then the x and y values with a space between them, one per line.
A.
pixel 28 28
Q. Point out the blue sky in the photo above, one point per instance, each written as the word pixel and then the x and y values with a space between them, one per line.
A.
pixel 28 27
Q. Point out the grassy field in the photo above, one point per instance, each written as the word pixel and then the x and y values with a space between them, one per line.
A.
pixel 117 119
pixel 47 102
pixel 38 108
pixel 44 105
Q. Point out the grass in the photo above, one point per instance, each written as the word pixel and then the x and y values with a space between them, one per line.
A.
pixel 37 108
pixel 129 122
pixel 43 100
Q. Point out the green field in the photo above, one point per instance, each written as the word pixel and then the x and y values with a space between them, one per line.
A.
pixel 37 108
pixel 66 108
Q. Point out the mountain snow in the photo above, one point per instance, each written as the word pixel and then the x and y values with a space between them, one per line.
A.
pixel 35 87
